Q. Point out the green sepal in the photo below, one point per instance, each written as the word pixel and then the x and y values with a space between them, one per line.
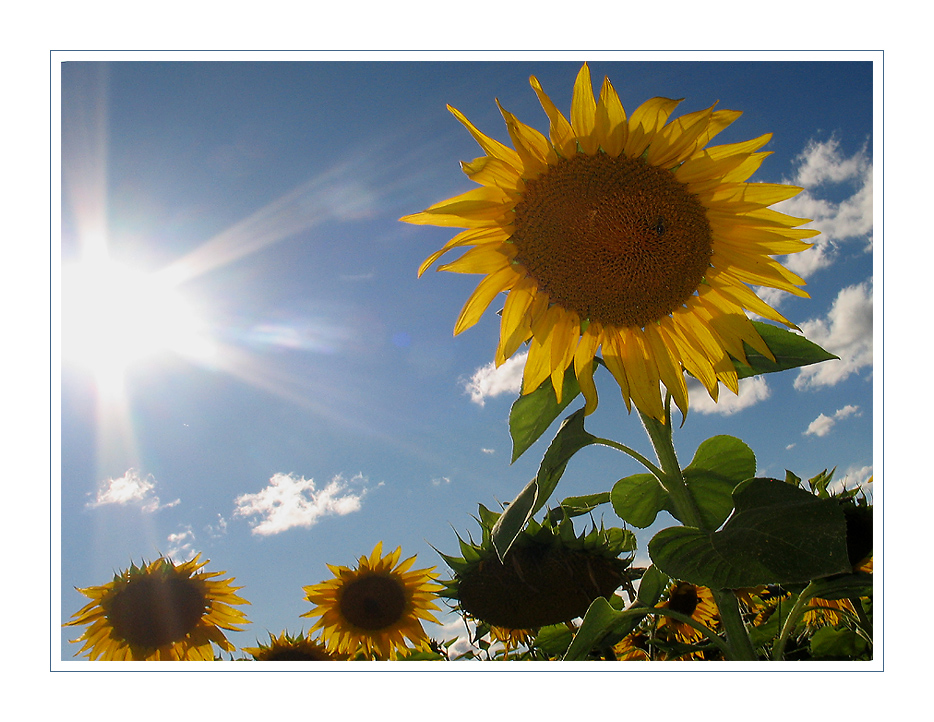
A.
pixel 791 350
pixel 777 534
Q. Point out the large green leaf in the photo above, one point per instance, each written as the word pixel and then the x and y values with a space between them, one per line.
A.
pixel 778 534
pixel 570 439
pixel 719 464
pixel 790 349
pixel 637 499
pixel 531 414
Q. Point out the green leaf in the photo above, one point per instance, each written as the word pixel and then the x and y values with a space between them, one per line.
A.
pixel 637 499
pixel 830 643
pixel 719 464
pixel 599 620
pixel 577 505
pixel 778 534
pixel 532 413
pixel 843 586
pixel 553 640
pixel 790 349
pixel 653 584
pixel 570 439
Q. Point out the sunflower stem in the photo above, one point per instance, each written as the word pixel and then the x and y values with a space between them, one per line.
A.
pixel 633 453
pixel 687 511
pixel 671 477
pixel 737 637
pixel 778 651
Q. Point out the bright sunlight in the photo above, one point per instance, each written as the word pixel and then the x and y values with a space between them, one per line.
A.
pixel 114 316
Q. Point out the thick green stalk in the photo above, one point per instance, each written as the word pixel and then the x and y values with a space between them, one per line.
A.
pixel 686 510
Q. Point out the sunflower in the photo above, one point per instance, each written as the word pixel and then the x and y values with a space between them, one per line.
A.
pixel 633 647
pixel 548 576
pixel 375 606
pixel 621 234
pixel 159 611
pixel 693 601
pixel 288 648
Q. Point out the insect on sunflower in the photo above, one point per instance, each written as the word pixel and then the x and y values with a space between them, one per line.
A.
pixel 159 611
pixel 375 607
pixel 621 234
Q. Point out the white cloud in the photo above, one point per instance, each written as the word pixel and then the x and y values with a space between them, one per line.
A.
pixel 440 480
pixel 130 489
pixel 855 477
pixel 822 425
pixel 181 547
pixel 820 165
pixel 489 381
pixel 290 501
pixel 846 332
pixel 488 451
pixel 752 390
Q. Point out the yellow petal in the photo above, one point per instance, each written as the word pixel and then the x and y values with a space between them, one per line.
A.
pixel 490 146
pixel 482 259
pixel 560 131
pixel 515 327
pixel 482 296
pixel 583 111
pixel 610 128
pixel 470 237
pixel 584 366
pixel 669 368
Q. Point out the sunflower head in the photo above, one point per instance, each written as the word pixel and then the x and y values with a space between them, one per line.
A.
pixel 626 234
pixel 159 611
pixel 289 648
pixel 374 607
pixel 692 601
pixel 549 575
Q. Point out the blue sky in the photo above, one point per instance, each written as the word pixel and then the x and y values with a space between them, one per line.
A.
pixel 327 380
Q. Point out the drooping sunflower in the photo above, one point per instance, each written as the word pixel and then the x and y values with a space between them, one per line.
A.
pixel 291 648
pixel 693 601
pixel 622 234
pixel 549 575
pixel 159 611
pixel 374 607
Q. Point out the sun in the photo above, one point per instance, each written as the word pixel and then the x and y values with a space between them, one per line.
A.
pixel 114 316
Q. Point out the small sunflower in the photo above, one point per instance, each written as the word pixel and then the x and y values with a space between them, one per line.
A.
pixel 159 611
pixel 693 601
pixel 625 234
pixel 633 647
pixel 289 648
pixel 549 575
pixel 375 606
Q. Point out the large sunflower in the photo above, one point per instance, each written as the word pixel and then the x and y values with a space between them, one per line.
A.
pixel 625 234
pixel 375 606
pixel 159 611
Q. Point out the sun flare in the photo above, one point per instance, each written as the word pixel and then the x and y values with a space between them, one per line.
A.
pixel 114 316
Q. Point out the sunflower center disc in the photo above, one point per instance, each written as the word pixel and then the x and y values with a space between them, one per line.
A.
pixel 373 602
pixel 684 599
pixel 154 611
pixel 617 240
